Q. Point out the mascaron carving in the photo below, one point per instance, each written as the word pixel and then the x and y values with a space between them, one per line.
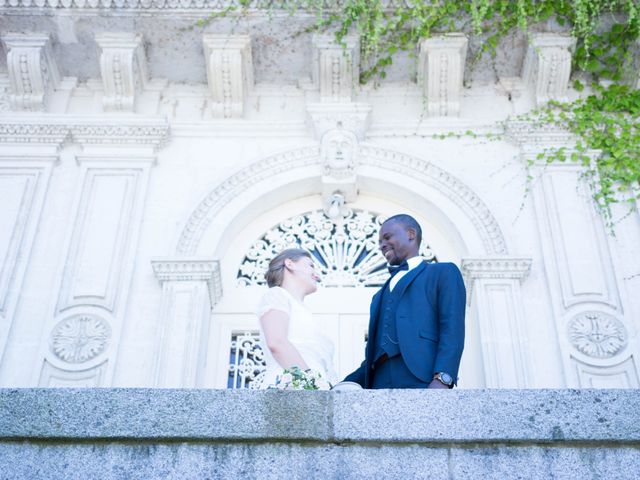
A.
pixel 597 334
pixel 80 338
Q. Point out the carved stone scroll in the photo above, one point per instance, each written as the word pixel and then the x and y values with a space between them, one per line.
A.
pixel 123 69
pixel 336 68
pixel 229 73
pixel 547 66
pixel 441 72
pixel 32 70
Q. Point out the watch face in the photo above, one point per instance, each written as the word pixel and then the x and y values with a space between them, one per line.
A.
pixel 446 378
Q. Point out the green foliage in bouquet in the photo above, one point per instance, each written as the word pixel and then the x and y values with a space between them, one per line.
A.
pixel 295 378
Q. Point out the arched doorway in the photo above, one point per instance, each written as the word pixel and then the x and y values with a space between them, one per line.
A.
pixel 350 266
pixel 239 211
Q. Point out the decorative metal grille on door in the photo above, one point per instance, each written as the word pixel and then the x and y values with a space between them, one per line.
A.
pixel 345 250
pixel 246 360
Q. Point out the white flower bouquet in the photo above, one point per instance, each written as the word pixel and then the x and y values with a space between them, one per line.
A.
pixel 295 378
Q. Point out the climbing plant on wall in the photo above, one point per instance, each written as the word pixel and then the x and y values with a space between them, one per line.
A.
pixel 606 33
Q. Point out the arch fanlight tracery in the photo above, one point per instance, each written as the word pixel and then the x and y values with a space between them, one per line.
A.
pixel 345 248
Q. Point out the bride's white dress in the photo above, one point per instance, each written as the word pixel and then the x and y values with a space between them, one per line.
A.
pixel 315 348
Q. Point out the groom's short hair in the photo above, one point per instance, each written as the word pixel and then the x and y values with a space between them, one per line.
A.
pixel 407 221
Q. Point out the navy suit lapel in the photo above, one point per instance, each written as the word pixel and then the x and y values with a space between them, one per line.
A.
pixel 409 277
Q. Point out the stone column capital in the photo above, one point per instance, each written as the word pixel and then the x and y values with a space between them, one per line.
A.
pixel 189 269
pixel 499 267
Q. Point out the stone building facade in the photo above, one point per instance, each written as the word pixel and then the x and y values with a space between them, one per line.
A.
pixel 149 168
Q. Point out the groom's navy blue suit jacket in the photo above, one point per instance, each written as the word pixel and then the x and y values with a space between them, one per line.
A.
pixel 429 320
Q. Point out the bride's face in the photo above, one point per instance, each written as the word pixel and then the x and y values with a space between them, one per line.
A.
pixel 303 270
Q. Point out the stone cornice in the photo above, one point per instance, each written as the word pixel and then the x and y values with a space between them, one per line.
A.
pixel 522 132
pixel 177 269
pixel 102 130
pixel 496 267
pixel 136 6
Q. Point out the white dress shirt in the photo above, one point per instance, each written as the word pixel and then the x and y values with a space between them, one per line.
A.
pixel 412 262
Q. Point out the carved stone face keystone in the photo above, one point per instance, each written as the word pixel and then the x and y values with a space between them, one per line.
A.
pixel 339 153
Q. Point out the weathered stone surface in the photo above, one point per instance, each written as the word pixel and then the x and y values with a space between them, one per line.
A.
pixel 160 413
pixel 489 415
pixel 184 434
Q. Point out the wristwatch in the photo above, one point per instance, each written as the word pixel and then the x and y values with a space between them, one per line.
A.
pixel 444 378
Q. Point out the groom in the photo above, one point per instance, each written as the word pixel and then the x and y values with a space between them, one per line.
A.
pixel 416 323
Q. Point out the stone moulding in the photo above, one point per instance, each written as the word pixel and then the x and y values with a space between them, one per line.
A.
pixel 153 132
pixel 413 167
pixel 528 133
pixel 173 5
pixel 496 267
pixel 190 270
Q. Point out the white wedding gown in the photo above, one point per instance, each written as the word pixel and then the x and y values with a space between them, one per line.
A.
pixel 315 348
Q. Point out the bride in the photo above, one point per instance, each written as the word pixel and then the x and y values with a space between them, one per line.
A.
pixel 288 335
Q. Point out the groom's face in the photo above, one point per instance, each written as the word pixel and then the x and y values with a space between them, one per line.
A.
pixel 396 242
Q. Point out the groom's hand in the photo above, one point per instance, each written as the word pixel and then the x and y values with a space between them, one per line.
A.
pixel 435 383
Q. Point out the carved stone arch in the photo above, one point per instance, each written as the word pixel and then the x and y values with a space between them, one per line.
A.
pixel 286 175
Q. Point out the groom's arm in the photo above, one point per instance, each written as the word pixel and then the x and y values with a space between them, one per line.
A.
pixel 358 375
pixel 451 310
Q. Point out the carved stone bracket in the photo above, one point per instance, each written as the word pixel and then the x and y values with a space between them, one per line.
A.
pixel 353 117
pixel 191 270
pixel 229 73
pixel 336 67
pixel 32 70
pixel 547 66
pixel 441 72
pixel 123 69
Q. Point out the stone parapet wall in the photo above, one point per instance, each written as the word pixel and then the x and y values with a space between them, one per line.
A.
pixel 146 433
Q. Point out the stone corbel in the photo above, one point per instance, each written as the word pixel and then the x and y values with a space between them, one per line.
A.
pixel 32 70
pixel 123 69
pixel 229 73
pixel 441 72
pixel 336 67
pixel 547 66
pixel 190 288
pixel 496 283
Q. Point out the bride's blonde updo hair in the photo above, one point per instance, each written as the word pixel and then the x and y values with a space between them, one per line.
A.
pixel 275 272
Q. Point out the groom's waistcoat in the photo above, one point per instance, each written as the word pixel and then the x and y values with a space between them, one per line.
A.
pixel 386 339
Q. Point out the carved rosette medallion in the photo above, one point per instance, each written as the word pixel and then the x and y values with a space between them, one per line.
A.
pixel 345 250
pixel 597 334
pixel 80 338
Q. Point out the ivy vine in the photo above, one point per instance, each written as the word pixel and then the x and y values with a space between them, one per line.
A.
pixel 608 122
pixel 606 33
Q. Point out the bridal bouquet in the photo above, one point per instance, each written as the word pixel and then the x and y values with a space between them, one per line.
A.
pixel 295 378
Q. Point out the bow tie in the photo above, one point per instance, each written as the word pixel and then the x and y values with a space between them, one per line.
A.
pixel 393 269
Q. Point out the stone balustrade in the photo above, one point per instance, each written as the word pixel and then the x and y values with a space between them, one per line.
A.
pixel 149 433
